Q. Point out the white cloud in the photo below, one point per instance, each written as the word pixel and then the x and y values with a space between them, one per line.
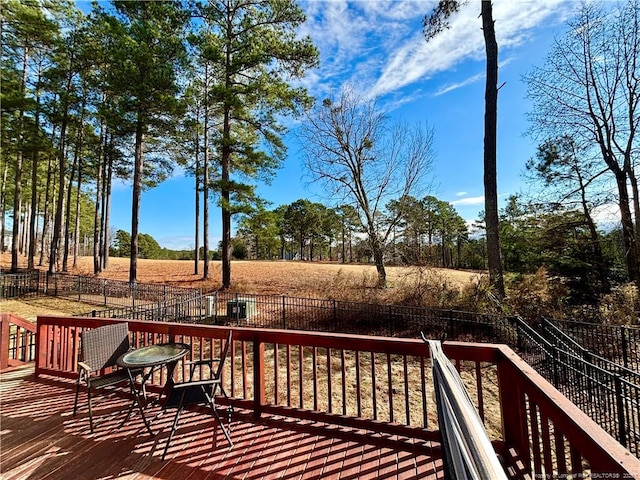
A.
pixel 461 194
pixel 379 45
pixel 469 201
pixel 464 83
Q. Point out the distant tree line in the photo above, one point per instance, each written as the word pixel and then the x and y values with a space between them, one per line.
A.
pixel 431 233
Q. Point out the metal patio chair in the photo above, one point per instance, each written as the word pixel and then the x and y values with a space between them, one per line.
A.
pixel 202 391
pixel 99 350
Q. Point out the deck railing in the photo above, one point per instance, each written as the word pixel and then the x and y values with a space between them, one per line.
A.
pixel 380 384
pixel 17 341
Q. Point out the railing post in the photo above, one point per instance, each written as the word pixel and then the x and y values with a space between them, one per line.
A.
pixel 622 428
pixel 4 342
pixel 514 412
pixel 258 377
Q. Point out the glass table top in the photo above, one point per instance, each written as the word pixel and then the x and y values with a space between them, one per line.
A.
pixel 154 355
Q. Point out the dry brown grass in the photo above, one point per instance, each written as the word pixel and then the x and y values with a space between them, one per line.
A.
pixel 294 278
pixel 30 307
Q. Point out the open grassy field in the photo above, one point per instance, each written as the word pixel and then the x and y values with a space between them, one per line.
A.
pixel 294 278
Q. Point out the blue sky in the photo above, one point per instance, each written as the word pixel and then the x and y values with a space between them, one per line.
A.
pixel 378 47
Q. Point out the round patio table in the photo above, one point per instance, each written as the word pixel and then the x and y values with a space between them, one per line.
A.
pixel 152 357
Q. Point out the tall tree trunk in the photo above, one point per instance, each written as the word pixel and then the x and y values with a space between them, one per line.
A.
pixel 98 201
pixel 196 265
pixel 62 170
pixel 135 204
pixel 226 204
pixel 34 181
pixel 76 230
pixel 378 259
pixel 46 214
pixel 74 169
pixel 490 150
pixel 628 233
pixel 206 274
pixel 17 189
pixel 3 199
pixel 105 239
pixel 67 221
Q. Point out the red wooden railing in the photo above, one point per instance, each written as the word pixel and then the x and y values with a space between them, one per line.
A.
pixel 380 384
pixel 17 340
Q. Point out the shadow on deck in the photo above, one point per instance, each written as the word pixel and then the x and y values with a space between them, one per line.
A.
pixel 40 439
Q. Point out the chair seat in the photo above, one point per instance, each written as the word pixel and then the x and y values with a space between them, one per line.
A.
pixel 111 378
pixel 194 393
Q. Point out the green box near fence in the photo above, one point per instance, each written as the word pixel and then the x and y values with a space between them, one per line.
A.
pixel 241 308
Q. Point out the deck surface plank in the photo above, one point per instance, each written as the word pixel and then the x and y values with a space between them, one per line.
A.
pixel 41 439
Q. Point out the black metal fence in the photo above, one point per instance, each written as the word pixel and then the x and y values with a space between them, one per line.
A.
pixel 116 293
pixel 21 283
pixel 271 311
pixel 606 392
pixel 619 343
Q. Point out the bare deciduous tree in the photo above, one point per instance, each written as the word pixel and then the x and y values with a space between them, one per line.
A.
pixel 362 161
pixel 589 88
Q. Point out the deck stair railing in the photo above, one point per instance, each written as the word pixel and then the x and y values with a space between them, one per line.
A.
pixel 619 343
pixel 608 393
pixel 561 340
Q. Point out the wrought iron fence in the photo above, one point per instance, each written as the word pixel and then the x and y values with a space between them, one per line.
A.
pixel 619 343
pixel 270 311
pixel 20 283
pixel 115 293
pixel 609 397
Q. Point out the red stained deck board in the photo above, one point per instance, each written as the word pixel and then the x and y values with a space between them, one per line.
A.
pixel 41 439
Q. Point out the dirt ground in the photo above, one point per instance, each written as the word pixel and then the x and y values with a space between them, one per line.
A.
pixel 294 278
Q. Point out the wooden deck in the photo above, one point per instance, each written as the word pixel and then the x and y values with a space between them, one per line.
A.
pixel 40 439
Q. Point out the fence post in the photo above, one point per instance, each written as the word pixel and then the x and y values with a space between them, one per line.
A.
pixel 622 429
pixel 554 357
pixel 79 287
pixel 623 336
pixel 215 309
pixel 515 322
pixel 390 322
pixel 284 314
pixel 335 316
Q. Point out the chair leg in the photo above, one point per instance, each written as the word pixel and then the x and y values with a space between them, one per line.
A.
pixel 225 431
pixel 90 411
pixel 75 404
pixel 174 426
